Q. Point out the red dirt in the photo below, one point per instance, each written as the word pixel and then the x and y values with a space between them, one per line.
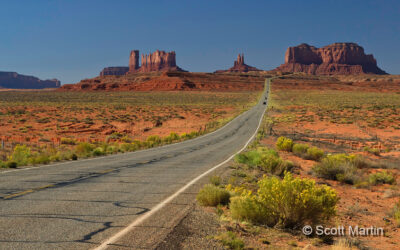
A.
pixel 366 83
pixel 169 81
pixel 357 206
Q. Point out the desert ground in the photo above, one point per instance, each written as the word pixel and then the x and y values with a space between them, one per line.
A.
pixel 351 117
pixel 347 116
pixel 49 121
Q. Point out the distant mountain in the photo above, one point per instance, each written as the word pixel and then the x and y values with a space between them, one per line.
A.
pixel 13 80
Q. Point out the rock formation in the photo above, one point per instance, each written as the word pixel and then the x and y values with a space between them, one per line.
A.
pixel 134 61
pixel 239 66
pixel 157 61
pixel 114 71
pixel 337 58
pixel 170 81
pixel 13 80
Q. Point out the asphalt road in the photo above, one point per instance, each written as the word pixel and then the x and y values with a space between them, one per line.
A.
pixel 81 204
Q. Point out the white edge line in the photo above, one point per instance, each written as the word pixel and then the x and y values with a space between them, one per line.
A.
pixel 126 153
pixel 160 205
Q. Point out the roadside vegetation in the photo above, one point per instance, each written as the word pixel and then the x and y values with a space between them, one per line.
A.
pixel 262 192
pixel 43 127
pixel 396 213
pixel 322 157
pixel 22 155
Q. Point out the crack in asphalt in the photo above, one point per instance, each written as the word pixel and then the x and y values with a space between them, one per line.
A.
pixel 144 210
pixel 84 177
pixel 93 226
pixel 89 236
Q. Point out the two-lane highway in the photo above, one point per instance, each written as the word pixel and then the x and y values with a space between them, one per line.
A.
pixel 83 204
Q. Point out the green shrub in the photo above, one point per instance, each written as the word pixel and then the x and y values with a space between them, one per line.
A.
pixel 284 144
pixel 137 144
pixel 383 177
pixel 84 149
pixel 373 151
pixel 230 240
pixel 126 139
pixel 41 158
pixel 350 175
pixel 295 201
pixel 239 173
pixel 55 157
pixel 290 203
pixel 269 161
pixel 248 208
pixel 20 155
pixel 266 159
pixel 125 147
pixel 112 149
pixel 3 164
pixel 172 137
pixel 337 167
pixel 396 213
pixel 189 135
pixel 314 153
pixel 254 158
pixel 251 158
pixel 115 136
pixel 98 151
pixel 66 155
pixel 272 163
pixel 211 195
pixel 360 162
pixel 215 180
pixel 193 134
pixel 300 149
pixel 68 141
pixel 153 140
pixel 283 167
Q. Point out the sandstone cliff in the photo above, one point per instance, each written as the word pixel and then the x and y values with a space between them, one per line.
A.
pixel 114 71
pixel 157 61
pixel 337 58
pixel 13 80
pixel 239 66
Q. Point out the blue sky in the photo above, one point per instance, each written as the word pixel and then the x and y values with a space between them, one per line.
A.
pixel 72 40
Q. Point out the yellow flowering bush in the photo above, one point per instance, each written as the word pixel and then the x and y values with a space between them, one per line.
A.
pixel 290 203
pixel 284 144
pixel 20 155
pixel 249 208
